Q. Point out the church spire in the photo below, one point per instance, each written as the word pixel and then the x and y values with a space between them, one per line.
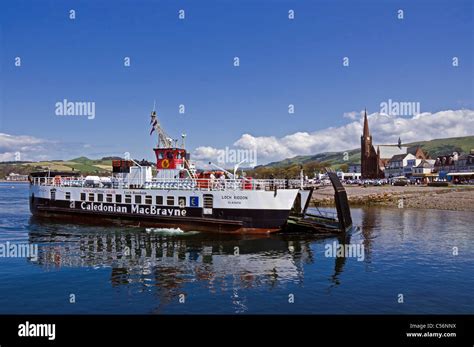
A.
pixel 366 124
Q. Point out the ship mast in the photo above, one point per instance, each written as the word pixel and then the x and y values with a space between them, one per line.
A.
pixel 164 141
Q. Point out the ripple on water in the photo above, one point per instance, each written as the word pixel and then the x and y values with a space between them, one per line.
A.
pixel 136 270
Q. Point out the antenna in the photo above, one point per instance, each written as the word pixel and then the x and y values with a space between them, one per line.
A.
pixel 183 137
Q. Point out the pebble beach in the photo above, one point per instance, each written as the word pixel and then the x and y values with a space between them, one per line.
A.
pixel 456 198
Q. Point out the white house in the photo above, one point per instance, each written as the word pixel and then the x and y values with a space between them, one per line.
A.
pixel 400 165
pixel 424 170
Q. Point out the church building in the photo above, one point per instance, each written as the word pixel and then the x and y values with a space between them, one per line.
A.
pixel 369 158
pixel 373 162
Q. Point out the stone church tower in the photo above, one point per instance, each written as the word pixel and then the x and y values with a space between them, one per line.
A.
pixel 369 158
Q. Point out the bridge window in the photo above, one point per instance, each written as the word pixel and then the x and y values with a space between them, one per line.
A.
pixel 83 196
pixel 109 197
pixel 100 197
pixel 91 196
pixel 170 201
pixel 67 196
pixel 138 199
pixel 118 198
pixel 128 199
pixel 159 200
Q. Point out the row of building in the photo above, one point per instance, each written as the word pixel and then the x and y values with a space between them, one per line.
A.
pixel 390 161
pixel 14 177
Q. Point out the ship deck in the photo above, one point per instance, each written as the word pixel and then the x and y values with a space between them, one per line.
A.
pixel 172 184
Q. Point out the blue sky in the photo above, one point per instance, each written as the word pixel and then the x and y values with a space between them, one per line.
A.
pixel 190 62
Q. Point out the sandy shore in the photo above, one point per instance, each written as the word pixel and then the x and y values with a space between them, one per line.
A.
pixel 458 198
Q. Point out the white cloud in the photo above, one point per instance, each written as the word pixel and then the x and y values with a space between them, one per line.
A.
pixel 206 153
pixel 353 115
pixel 384 129
pixel 30 148
pixel 26 147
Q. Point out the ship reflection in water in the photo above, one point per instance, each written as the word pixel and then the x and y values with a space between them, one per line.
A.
pixel 166 260
pixel 142 271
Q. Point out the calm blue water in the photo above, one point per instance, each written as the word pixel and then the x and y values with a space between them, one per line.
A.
pixel 133 270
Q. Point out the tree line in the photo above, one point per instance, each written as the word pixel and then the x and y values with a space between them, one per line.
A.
pixel 293 170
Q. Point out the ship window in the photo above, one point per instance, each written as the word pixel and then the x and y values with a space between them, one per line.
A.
pixel 118 198
pixel 128 199
pixel 53 195
pixel 160 155
pixel 138 199
pixel 83 196
pixel 91 196
pixel 159 200
pixel 182 201
pixel 109 197
pixel 67 196
pixel 148 200
pixel 100 197
pixel 208 201
pixel 169 155
pixel 170 201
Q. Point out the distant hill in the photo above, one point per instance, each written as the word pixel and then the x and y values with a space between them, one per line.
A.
pixel 446 146
pixel 433 147
pixel 281 168
pixel 81 164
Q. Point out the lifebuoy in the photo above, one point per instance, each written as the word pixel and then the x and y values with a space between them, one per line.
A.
pixel 165 164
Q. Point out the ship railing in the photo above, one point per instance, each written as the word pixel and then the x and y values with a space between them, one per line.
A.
pixel 324 214
pixel 217 184
pixel 175 184
pixel 58 182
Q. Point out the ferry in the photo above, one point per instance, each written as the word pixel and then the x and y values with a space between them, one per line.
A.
pixel 176 196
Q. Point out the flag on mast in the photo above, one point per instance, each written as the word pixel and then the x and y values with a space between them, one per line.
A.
pixel 154 124
pixel 153 121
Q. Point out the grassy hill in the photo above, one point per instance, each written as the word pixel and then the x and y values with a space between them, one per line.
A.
pixel 446 146
pixel 433 147
pixel 81 164
pixel 288 167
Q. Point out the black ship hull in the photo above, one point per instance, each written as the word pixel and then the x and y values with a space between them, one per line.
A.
pixel 220 221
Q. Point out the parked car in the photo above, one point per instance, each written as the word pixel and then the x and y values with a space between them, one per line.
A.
pixel 400 181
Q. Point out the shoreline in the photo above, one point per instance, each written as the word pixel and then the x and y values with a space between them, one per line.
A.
pixel 455 198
